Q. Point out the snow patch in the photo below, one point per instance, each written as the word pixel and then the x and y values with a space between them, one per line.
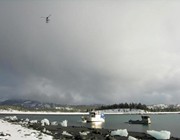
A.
pixel 84 133
pixel 11 118
pixel 33 121
pixel 11 131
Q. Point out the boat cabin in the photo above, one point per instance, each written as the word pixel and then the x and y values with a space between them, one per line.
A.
pixel 94 116
pixel 146 119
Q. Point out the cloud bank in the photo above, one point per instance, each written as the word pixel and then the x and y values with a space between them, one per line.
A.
pixel 90 51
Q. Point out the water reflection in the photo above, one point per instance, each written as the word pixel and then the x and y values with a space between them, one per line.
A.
pixel 98 125
pixel 145 127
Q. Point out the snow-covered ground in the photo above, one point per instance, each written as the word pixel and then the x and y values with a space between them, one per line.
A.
pixel 108 111
pixel 40 112
pixel 9 131
pixel 133 111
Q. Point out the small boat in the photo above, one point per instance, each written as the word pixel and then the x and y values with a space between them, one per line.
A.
pixel 145 120
pixel 94 116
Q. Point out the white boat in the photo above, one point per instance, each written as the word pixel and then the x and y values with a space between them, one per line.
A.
pixel 94 116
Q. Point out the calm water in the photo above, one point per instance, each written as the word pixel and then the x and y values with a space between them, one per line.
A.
pixel 170 122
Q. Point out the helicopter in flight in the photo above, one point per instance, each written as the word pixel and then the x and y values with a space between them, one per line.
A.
pixel 47 18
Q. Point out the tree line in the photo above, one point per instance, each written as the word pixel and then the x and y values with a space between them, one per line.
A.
pixel 124 105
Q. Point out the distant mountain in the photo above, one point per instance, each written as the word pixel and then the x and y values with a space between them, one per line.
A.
pixel 36 105
pixel 30 104
pixel 3 99
pixel 26 103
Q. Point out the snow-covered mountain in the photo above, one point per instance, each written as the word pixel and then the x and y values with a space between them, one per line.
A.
pixel 39 105
pixel 29 104
pixel 26 103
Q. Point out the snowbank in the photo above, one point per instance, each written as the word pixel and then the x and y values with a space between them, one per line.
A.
pixel 17 132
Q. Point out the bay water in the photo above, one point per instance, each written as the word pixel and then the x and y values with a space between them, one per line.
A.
pixel 169 122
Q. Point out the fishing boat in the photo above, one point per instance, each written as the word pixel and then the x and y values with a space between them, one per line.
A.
pixel 145 120
pixel 94 116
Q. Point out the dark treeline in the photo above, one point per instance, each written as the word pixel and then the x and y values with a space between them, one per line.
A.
pixel 124 105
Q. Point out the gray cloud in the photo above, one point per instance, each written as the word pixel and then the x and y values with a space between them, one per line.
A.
pixel 90 51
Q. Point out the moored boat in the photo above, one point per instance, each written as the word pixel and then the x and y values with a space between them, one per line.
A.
pixel 145 120
pixel 94 116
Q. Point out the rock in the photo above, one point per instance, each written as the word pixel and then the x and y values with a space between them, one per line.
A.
pixel 44 122
pixel 64 123
pixel 54 123
pixel 119 132
pixel 11 118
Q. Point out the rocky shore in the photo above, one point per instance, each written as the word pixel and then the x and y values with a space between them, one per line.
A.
pixel 60 131
pixel 84 133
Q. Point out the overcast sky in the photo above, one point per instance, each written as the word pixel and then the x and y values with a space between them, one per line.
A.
pixel 91 51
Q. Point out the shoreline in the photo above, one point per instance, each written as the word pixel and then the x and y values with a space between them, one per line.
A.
pixel 14 112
